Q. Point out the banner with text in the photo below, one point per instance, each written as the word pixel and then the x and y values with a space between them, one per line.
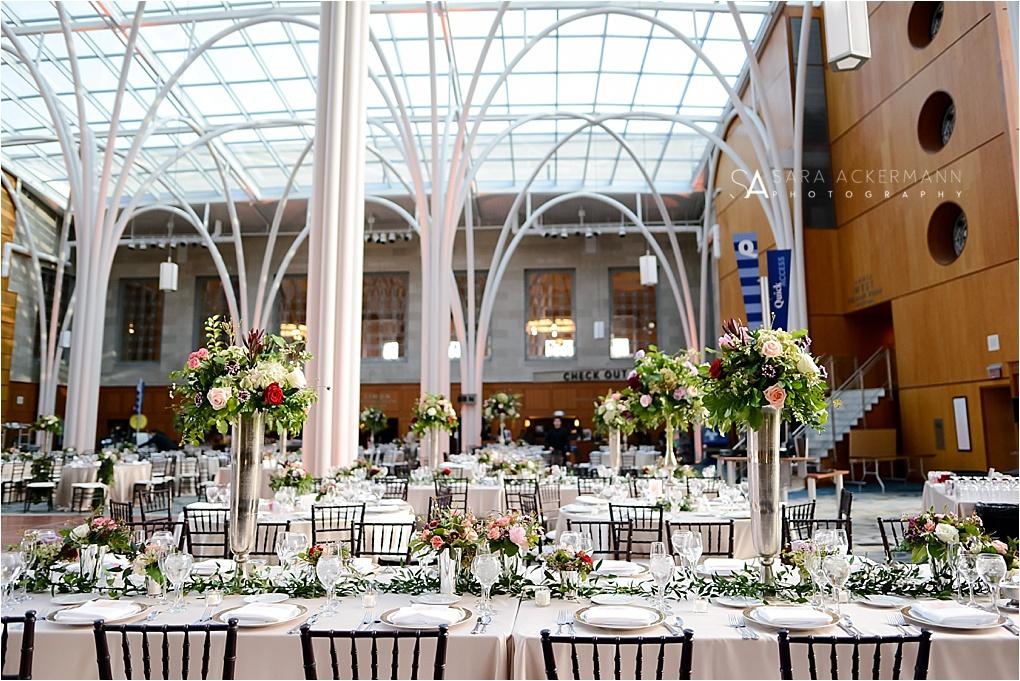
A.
pixel 746 246
pixel 778 262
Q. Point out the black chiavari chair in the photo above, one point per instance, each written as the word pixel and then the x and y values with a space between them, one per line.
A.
pixel 456 489
pixel 161 633
pixel 439 503
pixel 355 659
pixel 829 657
pixel 805 529
pixel 795 512
pixel 999 520
pixel 627 656
pixel 265 538
pixel 396 488
pixel 707 486
pixel 341 523
pixel 206 532
pixel 513 490
pixel 646 526
pixel 716 536
pixel 892 531
pixel 635 482
pixel 846 500
pixel 27 653
pixel 12 485
pixel 608 540
pixel 389 542
pixel 591 485
pixel 154 504
pixel 549 499
pixel 122 511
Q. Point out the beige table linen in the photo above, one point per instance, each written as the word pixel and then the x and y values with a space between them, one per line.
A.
pixel 481 499
pixel 63 652
pixel 125 475
pixel 71 474
pixel 720 653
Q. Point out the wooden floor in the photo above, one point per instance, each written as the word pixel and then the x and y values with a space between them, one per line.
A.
pixel 12 526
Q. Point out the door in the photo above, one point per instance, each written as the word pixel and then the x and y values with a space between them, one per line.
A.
pixel 1000 428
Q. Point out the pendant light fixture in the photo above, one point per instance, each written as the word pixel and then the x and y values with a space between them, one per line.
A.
pixel 168 269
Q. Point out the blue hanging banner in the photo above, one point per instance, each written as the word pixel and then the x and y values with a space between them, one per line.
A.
pixel 139 395
pixel 779 286
pixel 746 246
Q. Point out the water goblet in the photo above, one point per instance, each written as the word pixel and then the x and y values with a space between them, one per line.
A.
pixel 328 569
pixel 680 539
pixel 11 565
pixel 693 549
pixel 661 565
pixel 164 541
pixel 486 568
pixel 836 569
pixel 991 568
pixel 177 569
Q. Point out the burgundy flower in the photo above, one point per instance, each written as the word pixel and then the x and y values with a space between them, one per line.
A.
pixel 634 381
pixel 273 394
pixel 715 369
pixel 199 399
pixel 232 367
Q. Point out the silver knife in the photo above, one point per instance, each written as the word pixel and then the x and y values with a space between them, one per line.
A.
pixel 672 630
pixel 1011 627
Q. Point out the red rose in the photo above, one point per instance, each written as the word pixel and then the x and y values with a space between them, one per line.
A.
pixel 715 370
pixel 586 559
pixel 273 394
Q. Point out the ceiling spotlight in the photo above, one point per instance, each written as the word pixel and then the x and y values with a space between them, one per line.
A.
pixel 368 237
pixel 142 245
pixel 622 232
pixel 407 235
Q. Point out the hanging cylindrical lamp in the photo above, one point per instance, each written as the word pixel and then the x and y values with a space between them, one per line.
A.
pixel 649 268
pixel 847 38
pixel 168 275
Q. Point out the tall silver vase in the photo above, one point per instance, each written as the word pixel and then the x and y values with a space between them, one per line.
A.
pixel 246 463
pixel 764 490
pixel 432 449
pixel 449 566
pixel 615 445
pixel 669 463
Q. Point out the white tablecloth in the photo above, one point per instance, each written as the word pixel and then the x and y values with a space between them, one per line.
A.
pixel 71 474
pixel 265 492
pixel 935 495
pixel 481 499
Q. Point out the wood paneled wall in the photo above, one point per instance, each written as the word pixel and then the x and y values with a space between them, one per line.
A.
pixel 8 303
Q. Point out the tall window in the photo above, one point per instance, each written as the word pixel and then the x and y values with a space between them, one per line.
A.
pixel 210 299
pixel 550 327
pixel 141 304
pixel 633 313
pixel 383 315
pixel 461 276
pixel 292 301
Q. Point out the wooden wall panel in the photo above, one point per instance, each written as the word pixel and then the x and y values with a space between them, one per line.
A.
pixel 969 73
pixel 8 305
pixel 941 332
pixel 894 60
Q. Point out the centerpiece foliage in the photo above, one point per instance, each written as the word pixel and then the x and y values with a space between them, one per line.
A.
pixel 613 411
pixel 433 411
pixel 501 404
pixel 665 389
pixel 48 423
pixel 372 420
pixel 292 474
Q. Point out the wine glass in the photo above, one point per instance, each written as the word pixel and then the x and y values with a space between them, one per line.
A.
pixel 991 568
pixel 693 549
pixel 680 539
pixel 177 569
pixel 11 565
pixel 586 544
pixel 328 569
pixel 570 540
pixel 839 542
pixel 289 545
pixel 27 548
pixel 836 569
pixel 813 565
pixel 824 541
pixel 486 569
pixel 966 568
pixel 165 542
pixel 661 565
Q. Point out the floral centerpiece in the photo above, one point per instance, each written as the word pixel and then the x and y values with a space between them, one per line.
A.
pixel 224 381
pixel 612 411
pixel 292 475
pixel 313 553
pixel 431 415
pixel 48 423
pixel 764 367
pixel 92 539
pixel 666 390
pixel 512 533
pixel 932 537
pixel 501 406
pixel 571 567
pixel 373 421
pixel 146 563
pixel 452 536
pixel 796 554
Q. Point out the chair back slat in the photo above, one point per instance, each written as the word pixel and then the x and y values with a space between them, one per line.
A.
pixel 186 657
pixel 387 541
pixel 456 489
pixel 206 532
pixel 375 658
pixel 716 536
pixel 646 527
pixel 396 488
pixel 308 637
pixel 265 538
pixel 335 663
pixel 683 645
pixel 338 523
pixel 166 654
pixel 415 653
pixel 27 654
pixel 834 643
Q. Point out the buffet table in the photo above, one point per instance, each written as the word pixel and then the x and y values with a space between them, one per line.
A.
pixel 935 495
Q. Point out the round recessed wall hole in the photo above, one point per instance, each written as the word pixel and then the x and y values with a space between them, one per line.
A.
pixel 936 122
pixel 924 22
pixel 947 233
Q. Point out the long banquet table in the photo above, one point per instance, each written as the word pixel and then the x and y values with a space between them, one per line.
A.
pixel 511 646
pixel 482 499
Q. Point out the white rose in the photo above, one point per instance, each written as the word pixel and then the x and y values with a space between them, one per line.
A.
pixel 80 532
pixel 806 365
pixel 431 411
pixel 610 406
pixel 218 397
pixel 296 379
pixel 947 534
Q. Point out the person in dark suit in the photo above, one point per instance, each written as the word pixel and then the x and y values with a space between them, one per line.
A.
pixel 558 440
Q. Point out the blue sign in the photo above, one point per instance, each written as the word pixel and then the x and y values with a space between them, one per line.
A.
pixel 139 395
pixel 779 286
pixel 746 246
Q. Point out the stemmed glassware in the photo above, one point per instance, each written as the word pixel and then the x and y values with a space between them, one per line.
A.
pixel 680 539
pixel 328 569
pixel 966 569
pixel 836 569
pixel 11 565
pixel 661 565
pixel 991 567
pixel 486 568
pixel 177 569
pixel 27 548
pixel 165 542
pixel 288 546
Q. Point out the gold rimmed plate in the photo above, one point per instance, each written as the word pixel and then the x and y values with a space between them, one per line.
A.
pixel 916 618
pixel 224 616
pixel 751 614
pixel 51 616
pixel 387 618
pixel 582 616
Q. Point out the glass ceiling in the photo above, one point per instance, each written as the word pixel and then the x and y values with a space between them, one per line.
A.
pixel 601 64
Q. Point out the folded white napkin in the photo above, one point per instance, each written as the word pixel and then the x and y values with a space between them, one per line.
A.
pixel 421 615
pixel 618 616
pixel 99 609
pixel 392 502
pixel 722 566
pixel 619 567
pixel 209 567
pixel 110 561
pixel 362 565
pixel 795 616
pixel 260 613
pixel 952 614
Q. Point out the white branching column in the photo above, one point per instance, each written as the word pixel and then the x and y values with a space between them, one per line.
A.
pixel 336 248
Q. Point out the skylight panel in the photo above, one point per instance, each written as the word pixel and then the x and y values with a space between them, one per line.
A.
pixel 624 54
pixel 259 98
pixel 658 89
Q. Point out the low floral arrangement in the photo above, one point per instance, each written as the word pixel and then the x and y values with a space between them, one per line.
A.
pixel 433 411
pixel 512 533
pixel 566 560
pixel 372 420
pixel 224 381
pixel 527 467
pixel 931 535
pixel 313 553
pixel 444 473
pixel 613 412
pixel 684 471
pixel 501 404
pixel 99 531
pixel 795 554
pixel 15 454
pixel 449 529
pixel 764 367
pixel 665 389
pixel 108 458
pixel 292 474
pixel 48 423
pixel 146 563
pixel 1010 551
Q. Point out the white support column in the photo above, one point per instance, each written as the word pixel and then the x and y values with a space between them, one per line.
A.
pixel 336 249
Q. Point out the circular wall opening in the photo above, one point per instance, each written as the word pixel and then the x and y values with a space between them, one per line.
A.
pixel 936 122
pixel 947 233
pixel 924 22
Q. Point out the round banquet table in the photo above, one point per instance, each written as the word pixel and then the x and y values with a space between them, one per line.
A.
pixel 223 479
pixel 70 474
pixel 743 546
pixel 125 475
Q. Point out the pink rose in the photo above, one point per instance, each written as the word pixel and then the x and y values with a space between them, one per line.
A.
pixel 679 393
pixel 771 348
pixel 195 358
pixel 639 354
pixel 1000 547
pixel 503 522
pixel 218 397
pixel 520 537
pixel 494 532
pixel 726 342
pixel 646 401
pixel 929 526
pixel 775 396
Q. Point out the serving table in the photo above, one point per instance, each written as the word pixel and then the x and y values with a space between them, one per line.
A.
pixel 935 495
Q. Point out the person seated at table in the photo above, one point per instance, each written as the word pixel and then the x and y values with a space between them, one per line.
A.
pixel 557 439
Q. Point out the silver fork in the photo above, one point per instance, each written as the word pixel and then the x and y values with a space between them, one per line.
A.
pixel 736 625
pixel 752 635
pixel 311 620
pixel 852 627
pixel 486 621
pixel 152 615
pixel 478 626
pixel 561 621
pixel 898 622
pixel 365 621
pixel 570 624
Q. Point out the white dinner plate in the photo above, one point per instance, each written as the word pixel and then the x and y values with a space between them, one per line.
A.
pixel 608 571
pixel 882 601
pixel 73 599
pixel 736 601
pixel 436 599
pixel 751 614
pixel 139 608
pixel 581 616
pixel 386 619
pixel 915 618
pixel 266 598
pixel 613 599
pixel 224 617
